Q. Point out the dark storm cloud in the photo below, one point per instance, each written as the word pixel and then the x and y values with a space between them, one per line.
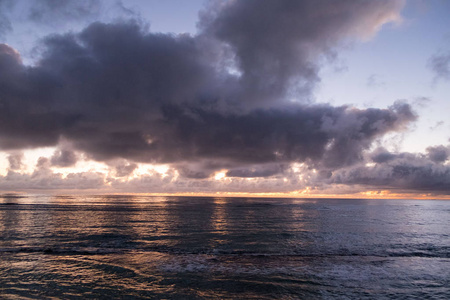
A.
pixel 381 155
pixel 124 169
pixel 276 44
pixel 438 154
pixel 440 65
pixel 194 171
pixel 99 87
pixel 332 136
pixel 201 168
pixel 64 158
pixel 402 171
pixel 27 118
pixel 117 91
pixel 257 171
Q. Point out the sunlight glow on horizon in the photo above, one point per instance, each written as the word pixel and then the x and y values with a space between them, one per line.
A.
pixel 220 175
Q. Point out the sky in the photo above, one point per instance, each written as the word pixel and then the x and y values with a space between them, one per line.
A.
pixel 276 97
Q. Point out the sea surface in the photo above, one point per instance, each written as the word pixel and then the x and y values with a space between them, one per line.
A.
pixel 136 247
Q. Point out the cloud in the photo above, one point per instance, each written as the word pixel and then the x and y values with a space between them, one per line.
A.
pixel 5 23
pixel 438 154
pixel 64 158
pixel 257 171
pixel 401 171
pixel 116 91
pixel 49 11
pixel 276 45
pixel 124 168
pixel 44 179
pixel 15 161
pixel 172 182
pixel 440 65
pixel 202 104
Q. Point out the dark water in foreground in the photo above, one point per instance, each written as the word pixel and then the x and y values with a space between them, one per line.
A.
pixel 181 248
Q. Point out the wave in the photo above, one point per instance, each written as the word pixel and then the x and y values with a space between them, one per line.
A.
pixel 436 252
pixel 63 251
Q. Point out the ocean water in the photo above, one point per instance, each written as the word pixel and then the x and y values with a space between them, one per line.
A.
pixel 127 247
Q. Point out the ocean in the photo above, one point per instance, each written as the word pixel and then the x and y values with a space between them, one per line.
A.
pixel 141 247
